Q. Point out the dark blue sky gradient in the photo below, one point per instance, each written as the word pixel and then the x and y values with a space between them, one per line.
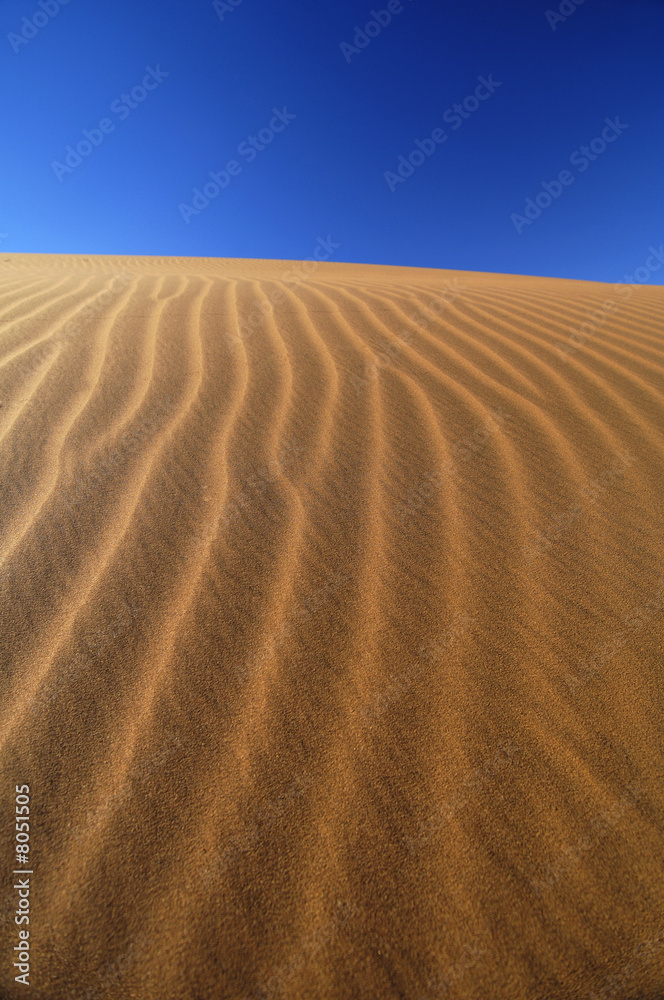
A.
pixel 323 175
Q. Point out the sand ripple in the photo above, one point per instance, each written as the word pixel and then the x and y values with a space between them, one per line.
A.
pixel 332 636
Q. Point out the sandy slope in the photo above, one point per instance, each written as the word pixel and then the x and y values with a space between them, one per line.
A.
pixel 332 642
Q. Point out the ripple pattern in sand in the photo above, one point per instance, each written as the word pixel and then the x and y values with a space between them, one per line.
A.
pixel 332 634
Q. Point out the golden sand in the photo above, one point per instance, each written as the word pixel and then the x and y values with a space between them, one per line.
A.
pixel 332 642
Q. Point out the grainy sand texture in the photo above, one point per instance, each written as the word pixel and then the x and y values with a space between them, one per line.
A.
pixel 332 642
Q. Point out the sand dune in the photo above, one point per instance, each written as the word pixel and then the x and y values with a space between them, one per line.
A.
pixel 332 637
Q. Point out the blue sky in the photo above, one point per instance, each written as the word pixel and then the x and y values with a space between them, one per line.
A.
pixel 352 107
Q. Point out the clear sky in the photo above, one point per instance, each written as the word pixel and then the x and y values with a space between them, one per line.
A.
pixel 184 89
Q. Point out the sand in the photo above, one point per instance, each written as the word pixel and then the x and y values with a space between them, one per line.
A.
pixel 332 639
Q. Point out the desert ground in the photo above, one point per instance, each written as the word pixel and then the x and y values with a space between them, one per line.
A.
pixel 332 631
